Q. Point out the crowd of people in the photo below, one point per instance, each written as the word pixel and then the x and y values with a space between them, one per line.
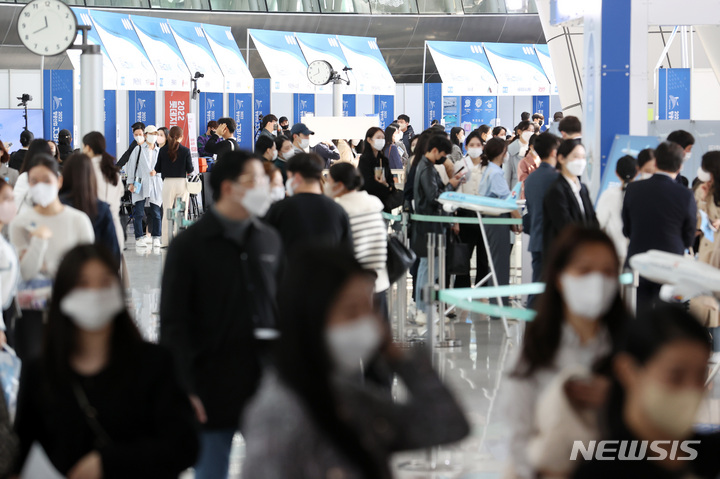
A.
pixel 292 345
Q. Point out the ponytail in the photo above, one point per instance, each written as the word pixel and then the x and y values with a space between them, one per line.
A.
pixel 484 160
pixel 172 142
pixel 96 142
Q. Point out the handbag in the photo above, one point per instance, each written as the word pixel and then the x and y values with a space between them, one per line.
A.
pixel 10 366
pixel 194 185
pixel 457 256
pixel 34 295
pixel 9 443
pixel 399 259
pixel 395 200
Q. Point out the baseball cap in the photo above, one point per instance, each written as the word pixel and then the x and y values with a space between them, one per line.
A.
pixel 300 129
pixel 150 129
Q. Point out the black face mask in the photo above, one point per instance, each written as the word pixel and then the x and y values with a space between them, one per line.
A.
pixel 441 161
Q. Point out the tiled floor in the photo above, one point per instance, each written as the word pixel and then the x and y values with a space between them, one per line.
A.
pixel 473 371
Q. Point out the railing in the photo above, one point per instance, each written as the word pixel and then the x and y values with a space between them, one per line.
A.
pixel 373 7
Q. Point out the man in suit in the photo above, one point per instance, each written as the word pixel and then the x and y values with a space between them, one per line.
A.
pixel 536 186
pixel 221 141
pixel 660 214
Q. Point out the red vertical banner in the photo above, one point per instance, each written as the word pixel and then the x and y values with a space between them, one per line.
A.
pixel 177 107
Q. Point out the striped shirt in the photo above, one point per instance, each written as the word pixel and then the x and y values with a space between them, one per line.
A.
pixel 369 233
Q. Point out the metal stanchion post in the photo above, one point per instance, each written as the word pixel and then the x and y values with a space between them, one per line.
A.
pixel 443 340
pixel 429 290
pixel 402 291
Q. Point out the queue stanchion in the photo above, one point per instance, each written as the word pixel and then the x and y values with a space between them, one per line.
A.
pixel 429 292
pixel 401 296
pixel 444 340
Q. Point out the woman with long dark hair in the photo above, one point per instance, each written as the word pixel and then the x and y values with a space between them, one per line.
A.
pixel 375 169
pixel 311 415
pixel 22 187
pixel 174 163
pixel 580 317
pixel 609 206
pixel 79 190
pixel 10 175
pixel 658 384
pixel 485 133
pixel 391 150
pixel 517 149
pixel 457 138
pixel 100 400
pixel 110 188
pixel 42 235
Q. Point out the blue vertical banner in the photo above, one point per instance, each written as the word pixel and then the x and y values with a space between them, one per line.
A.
pixel 304 103
pixel 477 110
pixel 57 102
pixel 262 102
pixel 111 121
pixel 385 109
pixel 349 105
pixel 211 108
pixel 674 94
pixel 141 107
pixel 241 112
pixel 541 104
pixel 433 103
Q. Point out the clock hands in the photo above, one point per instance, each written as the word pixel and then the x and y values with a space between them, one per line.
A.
pixel 43 28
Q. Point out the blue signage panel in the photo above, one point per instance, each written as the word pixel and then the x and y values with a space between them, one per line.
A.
pixel 541 104
pixel 349 105
pixel 304 104
pixel 241 112
pixel 111 121
pixel 211 108
pixel 478 110
pixel 57 102
pixel 623 145
pixel 674 92
pixel 385 109
pixel 142 107
pixel 433 102
pixel 451 111
pixel 262 102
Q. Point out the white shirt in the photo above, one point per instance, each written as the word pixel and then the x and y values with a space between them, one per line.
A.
pixel 576 188
pixel 520 395
pixel 9 276
pixel 475 172
pixel 609 215
pixel 112 195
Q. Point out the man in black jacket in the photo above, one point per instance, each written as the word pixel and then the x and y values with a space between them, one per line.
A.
pixel 218 304
pixel 659 214
pixel 222 140
pixel 138 130
pixel 18 157
pixel 403 122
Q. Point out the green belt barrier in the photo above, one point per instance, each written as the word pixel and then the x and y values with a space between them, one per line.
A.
pixel 456 219
pixel 465 298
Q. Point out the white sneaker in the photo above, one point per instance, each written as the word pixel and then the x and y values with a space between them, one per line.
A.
pixel 421 318
pixel 156 242
pixel 142 242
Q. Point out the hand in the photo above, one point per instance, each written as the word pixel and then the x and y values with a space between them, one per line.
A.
pixel 42 232
pixel 456 228
pixel 89 467
pixel 454 182
pixel 199 408
pixel 587 394
pixel 131 188
pixel 716 225
pixel 221 129
pixel 153 173
pixel 3 339
pixel 517 229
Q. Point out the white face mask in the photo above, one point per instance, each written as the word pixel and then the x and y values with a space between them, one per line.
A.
pixel 289 187
pixel 672 412
pixel 139 139
pixel 305 144
pixel 379 144
pixel 277 193
pixel 93 309
pixel 275 153
pixel 351 343
pixel 475 152
pixel 703 175
pixel 151 139
pixel 43 194
pixel 577 167
pixel 257 200
pixel 526 135
pixel 688 155
pixel 288 154
pixel 589 296
pixel 329 190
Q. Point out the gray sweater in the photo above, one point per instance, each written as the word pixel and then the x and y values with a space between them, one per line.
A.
pixel 283 441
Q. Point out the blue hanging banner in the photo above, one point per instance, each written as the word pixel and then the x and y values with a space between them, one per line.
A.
pixel 349 105
pixel 262 102
pixel 304 104
pixel 478 110
pixel 674 94
pixel 385 109
pixel 541 104
pixel 211 108
pixel 111 121
pixel 433 103
pixel 57 102
pixel 241 112
pixel 141 107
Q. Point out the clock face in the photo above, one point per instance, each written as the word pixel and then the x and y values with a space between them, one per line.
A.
pixel 320 72
pixel 47 27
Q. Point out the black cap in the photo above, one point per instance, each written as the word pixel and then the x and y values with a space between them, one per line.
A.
pixel 65 134
pixel 301 129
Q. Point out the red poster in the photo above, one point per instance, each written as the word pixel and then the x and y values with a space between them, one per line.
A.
pixel 177 106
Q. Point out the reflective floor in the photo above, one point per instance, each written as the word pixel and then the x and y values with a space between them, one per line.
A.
pixel 473 371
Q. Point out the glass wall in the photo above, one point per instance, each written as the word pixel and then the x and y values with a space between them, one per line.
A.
pixel 440 6
pixel 344 6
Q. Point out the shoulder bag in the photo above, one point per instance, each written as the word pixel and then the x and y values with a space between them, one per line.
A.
pixel 399 259
pixel 102 438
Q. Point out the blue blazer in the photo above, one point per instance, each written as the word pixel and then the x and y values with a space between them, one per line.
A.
pixel 536 186
pixel 658 213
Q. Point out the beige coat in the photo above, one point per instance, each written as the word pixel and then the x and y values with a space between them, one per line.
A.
pixel 706 202
pixel 706 311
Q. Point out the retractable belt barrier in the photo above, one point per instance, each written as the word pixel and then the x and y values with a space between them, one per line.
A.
pixel 455 219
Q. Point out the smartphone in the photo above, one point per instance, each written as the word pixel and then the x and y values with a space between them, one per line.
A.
pixel 461 168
